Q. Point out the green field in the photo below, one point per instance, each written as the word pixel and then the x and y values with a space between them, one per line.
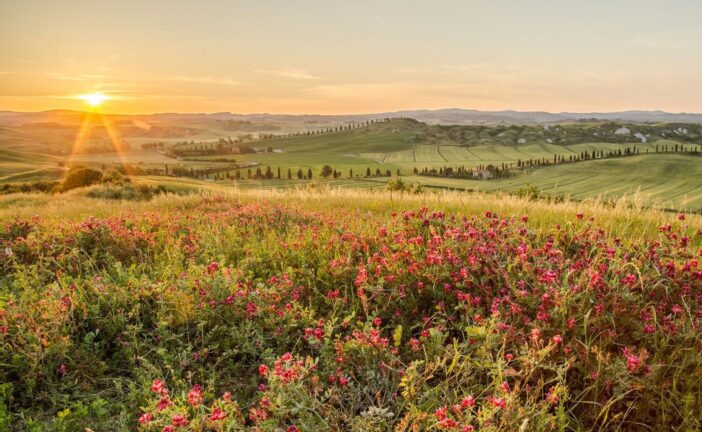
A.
pixel 663 179
pixel 402 144
pixel 668 180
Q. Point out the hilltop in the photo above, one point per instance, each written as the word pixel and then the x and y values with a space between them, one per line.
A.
pixel 448 116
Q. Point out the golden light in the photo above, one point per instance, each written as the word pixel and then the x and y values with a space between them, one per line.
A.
pixel 91 118
pixel 94 99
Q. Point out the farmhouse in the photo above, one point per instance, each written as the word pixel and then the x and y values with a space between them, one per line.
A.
pixel 482 174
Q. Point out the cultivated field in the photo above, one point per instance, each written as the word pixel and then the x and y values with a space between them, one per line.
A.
pixel 660 172
pixel 670 181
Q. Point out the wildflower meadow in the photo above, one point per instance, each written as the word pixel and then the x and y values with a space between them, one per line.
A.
pixel 221 313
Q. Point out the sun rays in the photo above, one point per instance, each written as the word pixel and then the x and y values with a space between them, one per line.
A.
pixel 93 116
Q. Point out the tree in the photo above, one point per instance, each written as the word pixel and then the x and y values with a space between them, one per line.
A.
pixel 309 173
pixel 80 177
pixel 327 171
pixel 300 174
pixel 289 174
pixel 368 172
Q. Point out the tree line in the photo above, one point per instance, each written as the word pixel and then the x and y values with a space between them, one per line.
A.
pixel 507 169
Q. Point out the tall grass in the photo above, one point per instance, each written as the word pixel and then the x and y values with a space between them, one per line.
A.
pixel 627 216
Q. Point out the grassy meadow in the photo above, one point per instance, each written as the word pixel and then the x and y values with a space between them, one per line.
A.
pixel 322 308
pixel 563 296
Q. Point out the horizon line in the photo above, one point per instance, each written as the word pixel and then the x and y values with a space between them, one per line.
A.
pixel 356 114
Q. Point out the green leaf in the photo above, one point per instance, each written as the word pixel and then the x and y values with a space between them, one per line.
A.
pixel 397 336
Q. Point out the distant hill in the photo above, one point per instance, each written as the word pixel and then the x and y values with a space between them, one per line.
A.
pixel 463 116
pixel 452 116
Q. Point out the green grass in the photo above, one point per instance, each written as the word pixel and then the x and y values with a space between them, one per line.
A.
pixel 667 180
pixel 25 157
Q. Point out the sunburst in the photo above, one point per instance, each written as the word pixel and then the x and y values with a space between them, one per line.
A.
pixel 95 101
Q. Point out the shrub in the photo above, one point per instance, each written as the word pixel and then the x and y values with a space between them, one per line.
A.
pixel 38 186
pixel 80 177
pixel 127 192
pixel 396 184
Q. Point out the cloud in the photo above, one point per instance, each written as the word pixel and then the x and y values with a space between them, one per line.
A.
pixel 403 91
pixel 290 73
pixel 81 77
pixel 204 79
pixel 667 40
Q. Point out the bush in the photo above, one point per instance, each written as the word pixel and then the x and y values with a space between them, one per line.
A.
pixel 39 186
pixel 80 177
pixel 396 184
pixel 114 177
pixel 127 192
pixel 529 192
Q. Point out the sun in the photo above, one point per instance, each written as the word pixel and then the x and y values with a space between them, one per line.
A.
pixel 94 99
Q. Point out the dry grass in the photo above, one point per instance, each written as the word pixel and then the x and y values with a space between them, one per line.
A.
pixel 623 218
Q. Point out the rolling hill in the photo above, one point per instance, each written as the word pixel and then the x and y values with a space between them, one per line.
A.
pixel 663 172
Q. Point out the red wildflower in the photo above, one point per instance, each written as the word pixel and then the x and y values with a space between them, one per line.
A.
pixel 179 420
pixel 212 267
pixel 164 403
pixel 195 396
pixel 158 387
pixel 217 414
pixel 630 280
pixel 468 401
pixel 551 397
pixel 498 402
pixel 263 370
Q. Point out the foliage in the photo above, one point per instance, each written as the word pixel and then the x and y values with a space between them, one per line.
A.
pixel 225 314
pixel 128 191
pixel 80 177
pixel 38 186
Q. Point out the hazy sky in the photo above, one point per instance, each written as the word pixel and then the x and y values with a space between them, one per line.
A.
pixel 328 56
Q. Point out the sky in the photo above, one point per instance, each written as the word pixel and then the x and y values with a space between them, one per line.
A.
pixel 361 56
